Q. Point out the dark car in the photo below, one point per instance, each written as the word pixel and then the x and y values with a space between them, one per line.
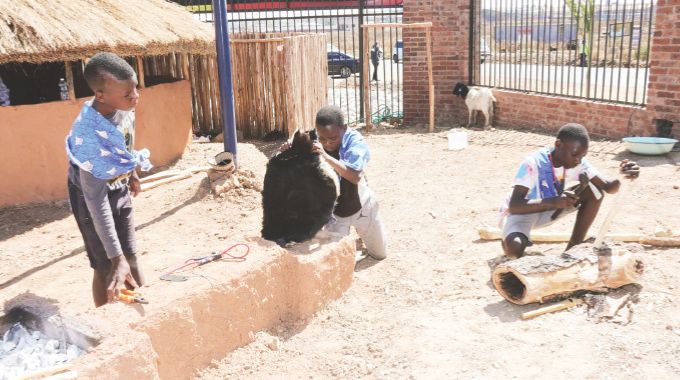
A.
pixel 342 64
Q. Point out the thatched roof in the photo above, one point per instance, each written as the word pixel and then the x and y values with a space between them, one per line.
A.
pixel 68 30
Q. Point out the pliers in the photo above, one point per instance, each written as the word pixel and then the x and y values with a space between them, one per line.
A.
pixel 131 296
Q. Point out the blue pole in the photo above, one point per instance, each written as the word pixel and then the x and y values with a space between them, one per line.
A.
pixel 224 74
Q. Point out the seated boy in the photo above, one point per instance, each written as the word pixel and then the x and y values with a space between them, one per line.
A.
pixel 101 175
pixel 347 153
pixel 539 190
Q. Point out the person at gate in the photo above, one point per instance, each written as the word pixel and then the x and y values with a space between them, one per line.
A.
pixel 346 151
pixel 539 190
pixel 101 175
pixel 376 57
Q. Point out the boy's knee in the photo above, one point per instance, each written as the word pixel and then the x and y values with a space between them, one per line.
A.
pixel 514 244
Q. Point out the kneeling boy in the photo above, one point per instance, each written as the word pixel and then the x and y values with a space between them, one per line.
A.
pixel 539 190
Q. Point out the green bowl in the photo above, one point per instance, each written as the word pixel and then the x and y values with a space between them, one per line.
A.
pixel 649 146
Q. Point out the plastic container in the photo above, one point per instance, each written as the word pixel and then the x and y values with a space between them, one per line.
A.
pixel 458 139
pixel 649 146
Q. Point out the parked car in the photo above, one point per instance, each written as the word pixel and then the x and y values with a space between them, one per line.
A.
pixel 341 63
pixel 398 52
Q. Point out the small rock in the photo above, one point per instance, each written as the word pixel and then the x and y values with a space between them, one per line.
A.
pixel 273 343
pixel 676 187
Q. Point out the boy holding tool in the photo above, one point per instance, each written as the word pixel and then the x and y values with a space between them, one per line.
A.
pixel 346 151
pixel 539 190
pixel 102 175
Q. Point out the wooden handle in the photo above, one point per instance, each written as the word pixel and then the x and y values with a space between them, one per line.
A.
pixel 151 185
pixel 566 304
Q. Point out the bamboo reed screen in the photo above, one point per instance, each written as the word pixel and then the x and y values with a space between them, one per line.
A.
pixel 280 81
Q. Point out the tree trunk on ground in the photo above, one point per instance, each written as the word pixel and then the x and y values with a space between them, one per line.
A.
pixel 545 278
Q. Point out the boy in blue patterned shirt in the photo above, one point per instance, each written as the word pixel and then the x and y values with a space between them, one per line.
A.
pixel 539 190
pixel 102 175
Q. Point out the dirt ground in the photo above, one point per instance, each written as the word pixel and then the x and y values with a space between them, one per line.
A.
pixel 428 310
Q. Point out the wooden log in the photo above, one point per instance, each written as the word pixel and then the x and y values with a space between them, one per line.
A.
pixel 69 80
pixel 545 278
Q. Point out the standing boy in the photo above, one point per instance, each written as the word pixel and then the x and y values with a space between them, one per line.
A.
pixel 102 174
pixel 376 57
pixel 539 190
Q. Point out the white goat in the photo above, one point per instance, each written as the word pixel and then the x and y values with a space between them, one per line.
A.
pixel 477 99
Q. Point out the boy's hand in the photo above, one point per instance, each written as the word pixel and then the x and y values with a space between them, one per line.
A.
pixel 134 184
pixel 567 200
pixel 318 148
pixel 629 168
pixel 285 146
pixel 120 273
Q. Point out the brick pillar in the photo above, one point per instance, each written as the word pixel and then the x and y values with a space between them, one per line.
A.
pixel 663 96
pixel 450 19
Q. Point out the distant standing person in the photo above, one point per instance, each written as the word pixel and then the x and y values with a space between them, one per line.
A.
pixel 376 57
pixel 4 94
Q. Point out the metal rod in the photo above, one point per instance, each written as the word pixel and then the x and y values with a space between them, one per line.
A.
pixel 630 50
pixel 224 74
pixel 649 43
pixel 362 78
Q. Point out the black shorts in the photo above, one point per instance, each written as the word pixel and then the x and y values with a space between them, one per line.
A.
pixel 121 207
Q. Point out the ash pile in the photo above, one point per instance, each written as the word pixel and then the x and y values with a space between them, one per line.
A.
pixel 24 351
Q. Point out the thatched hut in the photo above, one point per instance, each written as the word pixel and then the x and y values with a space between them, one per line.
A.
pixel 43 41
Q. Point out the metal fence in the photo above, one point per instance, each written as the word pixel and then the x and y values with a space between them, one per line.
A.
pixel 341 22
pixel 593 49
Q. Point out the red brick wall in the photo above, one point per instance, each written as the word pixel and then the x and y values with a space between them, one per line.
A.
pixel 450 36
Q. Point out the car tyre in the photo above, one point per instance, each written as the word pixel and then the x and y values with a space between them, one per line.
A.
pixel 345 72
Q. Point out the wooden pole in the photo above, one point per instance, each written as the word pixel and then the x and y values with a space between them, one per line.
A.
pixel 367 88
pixel 140 71
pixel 428 37
pixel 69 80
pixel 185 66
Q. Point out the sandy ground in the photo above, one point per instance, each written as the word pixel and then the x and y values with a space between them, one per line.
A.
pixel 428 310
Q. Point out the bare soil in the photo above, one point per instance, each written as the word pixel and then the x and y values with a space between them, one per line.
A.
pixel 428 310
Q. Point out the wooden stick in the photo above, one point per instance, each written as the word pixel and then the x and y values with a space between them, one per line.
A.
pixel 181 176
pixel 428 38
pixel 69 80
pixel 657 241
pixel 562 305
pixel 367 87
pixel 140 71
pixel 46 372
pixel 160 175
pixel 557 237
pixel 599 240
pixel 394 25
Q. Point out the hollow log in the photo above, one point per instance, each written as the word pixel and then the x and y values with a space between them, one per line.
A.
pixel 545 278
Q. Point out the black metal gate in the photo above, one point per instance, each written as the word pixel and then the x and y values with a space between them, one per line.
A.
pixel 341 21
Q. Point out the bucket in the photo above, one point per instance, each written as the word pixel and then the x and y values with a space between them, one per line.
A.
pixel 458 140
